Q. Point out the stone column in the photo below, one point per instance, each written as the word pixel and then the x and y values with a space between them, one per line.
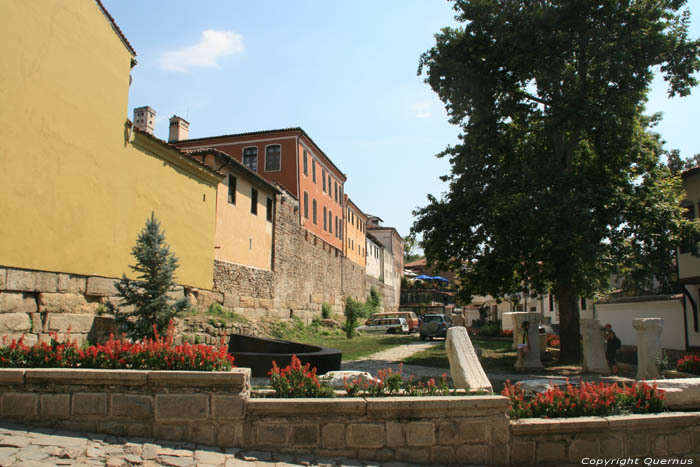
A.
pixel 532 358
pixel 648 346
pixel 593 346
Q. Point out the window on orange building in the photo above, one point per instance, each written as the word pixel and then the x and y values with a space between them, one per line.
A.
pixel 329 185
pixel 313 170
pixel 336 191
pixel 306 205
pixel 324 218
pixel 323 178
pixel 306 163
pixel 313 211
pixel 273 158
pixel 269 209
pixel 250 158
pixel 254 201
pixel 231 189
pixel 330 222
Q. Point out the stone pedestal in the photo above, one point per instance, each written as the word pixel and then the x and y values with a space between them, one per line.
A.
pixel 532 358
pixel 465 368
pixel 648 346
pixel 593 346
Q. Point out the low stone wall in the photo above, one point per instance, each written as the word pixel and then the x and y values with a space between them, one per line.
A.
pixel 438 430
pixel 201 407
pixel 578 440
pixel 216 409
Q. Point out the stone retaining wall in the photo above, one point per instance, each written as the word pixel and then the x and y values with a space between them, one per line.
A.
pixel 216 409
pixel 307 272
pixel 565 441
pixel 201 407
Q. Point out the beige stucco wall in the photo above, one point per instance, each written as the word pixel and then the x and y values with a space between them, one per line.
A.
pixel 74 193
pixel 243 237
pixel 621 316
pixel 689 265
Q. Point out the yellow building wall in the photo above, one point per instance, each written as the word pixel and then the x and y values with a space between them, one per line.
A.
pixel 243 237
pixel 74 194
pixel 359 241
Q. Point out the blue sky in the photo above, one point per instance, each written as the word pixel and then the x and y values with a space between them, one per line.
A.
pixel 344 72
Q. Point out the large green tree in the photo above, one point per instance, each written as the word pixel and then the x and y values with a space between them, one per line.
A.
pixel 556 182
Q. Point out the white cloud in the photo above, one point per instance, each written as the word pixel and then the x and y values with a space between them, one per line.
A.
pixel 205 53
pixel 422 110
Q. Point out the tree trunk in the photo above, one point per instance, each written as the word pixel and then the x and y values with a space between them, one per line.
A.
pixel 569 327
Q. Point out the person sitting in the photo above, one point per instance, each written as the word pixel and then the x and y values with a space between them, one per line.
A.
pixel 612 344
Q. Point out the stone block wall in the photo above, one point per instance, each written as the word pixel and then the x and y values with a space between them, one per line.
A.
pixel 200 407
pixel 216 409
pixel 571 441
pixel 306 272
pixel 437 430
pixel 35 304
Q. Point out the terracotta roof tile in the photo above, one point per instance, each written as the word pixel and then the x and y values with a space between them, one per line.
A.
pixel 116 27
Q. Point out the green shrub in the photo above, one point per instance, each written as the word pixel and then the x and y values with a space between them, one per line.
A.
pixel 326 311
pixel 353 311
pixel 490 330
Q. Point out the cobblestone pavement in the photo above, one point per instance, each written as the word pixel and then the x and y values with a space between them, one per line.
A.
pixel 22 446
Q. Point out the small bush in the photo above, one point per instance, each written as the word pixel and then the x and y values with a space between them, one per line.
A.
pixel 589 399
pixel 325 311
pixel 353 311
pixel 553 341
pixel 297 381
pixel 506 333
pixel 689 364
pixel 490 330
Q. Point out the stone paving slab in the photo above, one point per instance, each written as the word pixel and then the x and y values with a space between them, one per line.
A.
pixel 42 447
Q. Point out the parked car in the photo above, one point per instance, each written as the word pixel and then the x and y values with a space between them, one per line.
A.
pixel 409 316
pixel 434 325
pixel 385 325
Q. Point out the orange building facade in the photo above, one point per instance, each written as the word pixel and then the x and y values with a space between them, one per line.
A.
pixel 292 159
pixel 355 248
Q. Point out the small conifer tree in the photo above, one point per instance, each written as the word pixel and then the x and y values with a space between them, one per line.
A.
pixel 155 268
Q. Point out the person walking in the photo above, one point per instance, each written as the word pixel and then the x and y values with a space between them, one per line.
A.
pixel 523 345
pixel 612 345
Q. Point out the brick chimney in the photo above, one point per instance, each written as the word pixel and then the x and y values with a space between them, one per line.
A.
pixel 179 129
pixel 144 119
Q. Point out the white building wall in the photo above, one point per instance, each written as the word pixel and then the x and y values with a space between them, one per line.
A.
pixel 388 265
pixel 621 316
pixel 373 266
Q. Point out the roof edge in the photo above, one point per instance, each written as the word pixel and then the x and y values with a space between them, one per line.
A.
pixel 115 27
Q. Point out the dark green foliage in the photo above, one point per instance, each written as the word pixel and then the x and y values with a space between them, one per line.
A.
pixel 353 311
pixel 325 311
pixel 557 182
pixel 374 301
pixel 148 294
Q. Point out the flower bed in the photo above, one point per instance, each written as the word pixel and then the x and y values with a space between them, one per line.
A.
pixel 588 399
pixel 297 381
pixel 148 354
pixel 689 364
